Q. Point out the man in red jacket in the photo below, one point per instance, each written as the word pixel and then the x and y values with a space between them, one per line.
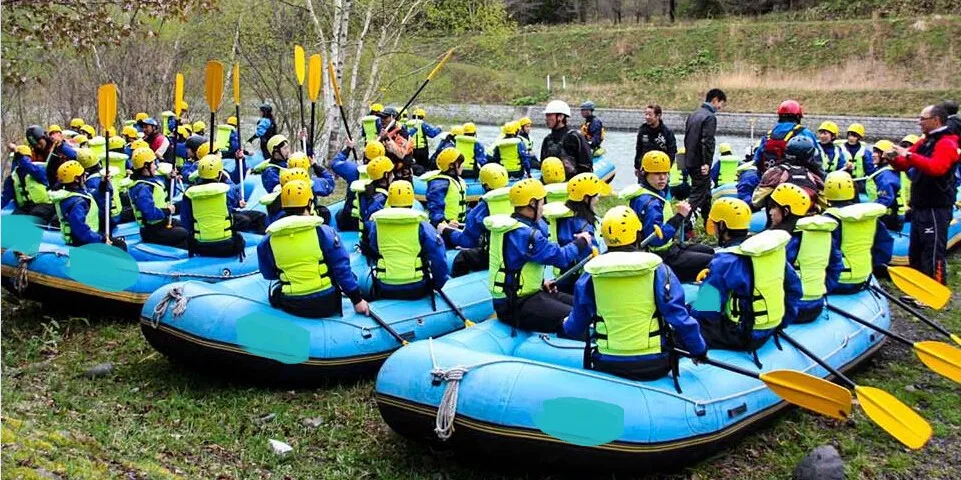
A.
pixel 932 162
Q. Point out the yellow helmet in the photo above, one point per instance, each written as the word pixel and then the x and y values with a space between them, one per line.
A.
pixel 511 128
pixel 400 194
pixel 24 150
pixel 884 145
pixel 138 143
pixel 298 160
pixel 910 138
pixel 526 191
pixel 376 108
pixel 552 170
pixel 492 176
pixel 274 142
pixel 141 157
pixel 129 132
pixel 111 132
pixel 470 128
pixel 420 112
pixel 291 174
pixel 80 139
pixel 77 122
pixel 69 172
pixel 54 129
pixel 839 186
pixel 857 129
pixel 448 157
pixel 656 161
pixel 373 150
pixel 232 120
pixel 586 184
pixel 86 157
pixel 89 130
pixel 457 130
pixel 525 121
pixel 184 106
pixel 732 212
pixel 209 167
pixel 725 148
pixel 379 167
pixel 141 116
pixel 620 226
pixel 793 198
pixel 184 131
pixel 829 126
pixel 296 193
pixel 199 126
pixel 203 150
pixel 115 143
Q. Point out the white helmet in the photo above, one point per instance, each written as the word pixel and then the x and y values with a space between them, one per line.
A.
pixel 557 106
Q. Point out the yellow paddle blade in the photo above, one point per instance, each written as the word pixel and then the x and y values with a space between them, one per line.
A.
pixel 809 392
pixel 894 417
pixel 107 105
pixel 314 74
pixel 943 359
pixel 468 323
pixel 333 81
pixel 920 286
pixel 178 94
pixel 441 64
pixel 236 79
pixel 299 66
pixel 956 339
pixel 214 84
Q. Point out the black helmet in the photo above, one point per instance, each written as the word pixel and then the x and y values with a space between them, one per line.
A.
pixel 390 112
pixel 266 108
pixel 34 134
pixel 799 150
pixel 195 141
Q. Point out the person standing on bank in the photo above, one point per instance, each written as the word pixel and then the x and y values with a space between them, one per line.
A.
pixel 699 143
pixel 933 159
pixel 653 135
pixel 565 142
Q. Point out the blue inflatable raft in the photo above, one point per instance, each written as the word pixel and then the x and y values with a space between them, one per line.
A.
pixel 527 399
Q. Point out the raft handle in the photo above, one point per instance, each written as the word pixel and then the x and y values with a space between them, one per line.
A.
pixel 738 410
pixel 365 333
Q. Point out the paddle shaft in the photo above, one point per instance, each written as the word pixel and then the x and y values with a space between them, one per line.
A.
pixel 241 163
pixel 718 364
pixel 343 118
pixel 387 327
pixel 870 325
pixel 907 308
pixel 302 123
pixel 450 303
pixel 579 265
pixel 106 193
pixel 213 116
pixel 310 135
pixel 820 361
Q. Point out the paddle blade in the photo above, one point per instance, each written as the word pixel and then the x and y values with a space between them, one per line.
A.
pixel 214 84
pixel 809 392
pixel 236 79
pixel 920 286
pixel 333 81
pixel 943 359
pixel 107 105
pixel 894 417
pixel 441 64
pixel 956 339
pixel 315 73
pixel 178 94
pixel 299 66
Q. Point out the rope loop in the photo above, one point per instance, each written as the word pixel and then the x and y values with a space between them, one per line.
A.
pixel 175 295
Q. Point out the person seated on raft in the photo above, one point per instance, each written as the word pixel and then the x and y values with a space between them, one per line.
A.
pixel 446 141
pixel 857 232
pixel 26 186
pixel 95 183
pixel 633 300
pixel 308 259
pixel 833 156
pixel 747 181
pixel 812 250
pixel 799 165
pixel 511 152
pixel 749 289
pixel 322 182
pixel 884 188
pixel 372 192
pixel 195 148
pixel 724 169
pixel 647 199
pixel 473 239
pixel 270 169
pixel 398 145
pixel 208 213
pixel 526 124
pixel 575 215
pixel 407 256
pixel 275 210
pixel 472 149
pixel 447 191
pixel 554 178
pixel 519 251
pixel 347 169
pixel 77 209
pixel 148 198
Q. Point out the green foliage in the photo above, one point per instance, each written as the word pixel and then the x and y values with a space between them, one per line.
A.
pixel 542 96
pixel 702 63
pixel 459 16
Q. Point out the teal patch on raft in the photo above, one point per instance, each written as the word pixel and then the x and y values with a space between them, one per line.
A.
pixel 708 299
pixel 20 233
pixel 273 337
pixel 581 421
pixel 103 267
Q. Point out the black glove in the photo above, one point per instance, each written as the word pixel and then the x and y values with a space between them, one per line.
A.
pixel 119 242
pixel 699 359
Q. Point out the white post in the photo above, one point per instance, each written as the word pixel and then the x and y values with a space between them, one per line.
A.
pixel 564 81
pixel 548 84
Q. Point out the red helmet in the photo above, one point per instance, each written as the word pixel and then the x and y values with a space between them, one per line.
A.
pixel 790 107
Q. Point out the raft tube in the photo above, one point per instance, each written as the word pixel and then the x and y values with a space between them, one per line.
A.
pixel 603 168
pixel 527 399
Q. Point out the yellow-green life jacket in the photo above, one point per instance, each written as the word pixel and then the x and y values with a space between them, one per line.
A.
pixel 118 165
pixel 455 200
pixel 553 213
pixel 92 219
pixel 420 138
pixel 627 321
pixel 465 145
pixel 510 157
pixel 905 193
pixel 159 194
pixel 814 254
pixel 858 224
pixel 29 190
pixel 871 188
pixel 675 178
pixel 556 192
pixel 369 126
pixel 728 169
pixel 498 201
pixel 297 253
pixel 830 163
pixel 98 145
pixel 115 206
pixel 398 243
pixel 768 257
pixel 527 142
pixel 858 159
pixel 222 140
pixel 634 191
pixel 212 219
pixel 531 275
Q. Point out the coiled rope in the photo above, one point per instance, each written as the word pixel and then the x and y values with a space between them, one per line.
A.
pixel 175 295
pixel 21 281
pixel 447 408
